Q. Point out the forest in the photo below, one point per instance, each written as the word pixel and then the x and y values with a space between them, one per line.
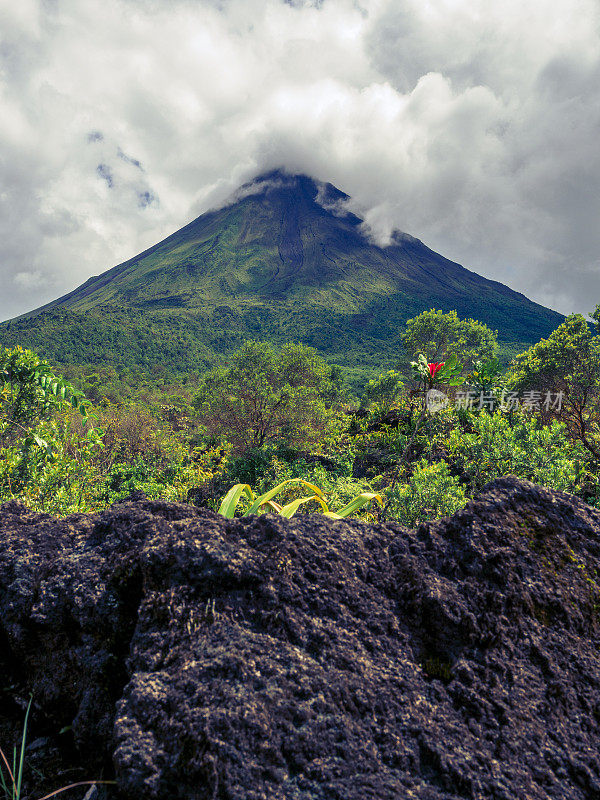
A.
pixel 279 429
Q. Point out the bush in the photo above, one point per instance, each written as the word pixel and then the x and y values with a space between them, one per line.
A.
pixel 496 445
pixel 431 492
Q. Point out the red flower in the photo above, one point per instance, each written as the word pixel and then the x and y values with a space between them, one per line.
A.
pixel 435 368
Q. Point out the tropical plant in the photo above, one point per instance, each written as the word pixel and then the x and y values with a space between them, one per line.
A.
pixel 30 392
pixel 445 373
pixel 231 501
pixel 429 375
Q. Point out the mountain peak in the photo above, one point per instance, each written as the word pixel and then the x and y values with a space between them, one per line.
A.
pixel 286 259
pixel 279 182
pixel 281 186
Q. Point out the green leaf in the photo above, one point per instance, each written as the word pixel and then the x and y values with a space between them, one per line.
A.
pixel 273 506
pixel 290 509
pixel 273 492
pixel 232 498
pixel 354 505
pixel 19 775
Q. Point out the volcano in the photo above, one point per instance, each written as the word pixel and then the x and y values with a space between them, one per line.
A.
pixel 283 260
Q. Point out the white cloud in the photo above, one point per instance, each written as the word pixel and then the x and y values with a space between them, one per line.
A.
pixel 470 125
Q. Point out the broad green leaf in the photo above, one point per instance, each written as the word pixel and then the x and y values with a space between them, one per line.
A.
pixel 290 509
pixel 354 505
pixel 273 506
pixel 232 498
pixel 273 492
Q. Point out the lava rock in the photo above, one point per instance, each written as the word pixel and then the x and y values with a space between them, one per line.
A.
pixel 312 659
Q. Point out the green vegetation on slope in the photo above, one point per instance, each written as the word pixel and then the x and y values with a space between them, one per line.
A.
pixel 124 338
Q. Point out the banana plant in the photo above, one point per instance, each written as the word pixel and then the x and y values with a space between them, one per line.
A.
pixel 233 497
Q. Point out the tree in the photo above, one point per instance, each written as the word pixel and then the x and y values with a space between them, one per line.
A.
pixel 436 335
pixel 42 455
pixel 383 391
pixel 566 368
pixel 264 396
pixel 30 392
pixel 595 315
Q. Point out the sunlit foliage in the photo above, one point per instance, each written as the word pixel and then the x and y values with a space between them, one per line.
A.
pixel 280 421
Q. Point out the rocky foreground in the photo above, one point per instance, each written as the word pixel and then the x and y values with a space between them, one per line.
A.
pixel 189 656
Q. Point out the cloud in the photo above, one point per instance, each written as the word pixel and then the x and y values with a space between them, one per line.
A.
pixel 470 125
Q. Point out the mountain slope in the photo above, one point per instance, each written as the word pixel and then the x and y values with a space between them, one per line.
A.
pixel 283 261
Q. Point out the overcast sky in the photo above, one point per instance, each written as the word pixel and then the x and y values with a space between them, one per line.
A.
pixel 470 124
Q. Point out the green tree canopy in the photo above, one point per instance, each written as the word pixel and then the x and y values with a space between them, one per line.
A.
pixel 437 335
pixel 596 317
pixel 264 396
pixel 567 362
pixel 383 390
pixel 29 392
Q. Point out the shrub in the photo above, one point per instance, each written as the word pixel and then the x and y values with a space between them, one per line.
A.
pixel 431 492
pixel 496 445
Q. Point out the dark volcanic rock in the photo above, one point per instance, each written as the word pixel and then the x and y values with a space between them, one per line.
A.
pixel 266 659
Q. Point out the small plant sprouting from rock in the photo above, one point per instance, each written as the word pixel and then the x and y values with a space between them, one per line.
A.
pixel 437 668
pixel 11 775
